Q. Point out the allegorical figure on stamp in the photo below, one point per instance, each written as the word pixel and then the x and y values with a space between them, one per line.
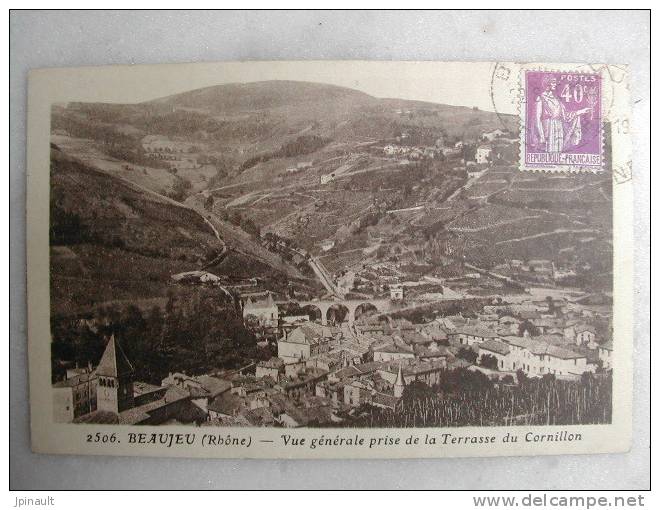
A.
pixel 557 129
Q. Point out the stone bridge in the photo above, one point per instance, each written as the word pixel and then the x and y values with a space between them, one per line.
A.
pixel 351 305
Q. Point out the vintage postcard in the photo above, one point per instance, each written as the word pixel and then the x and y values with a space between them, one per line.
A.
pixel 330 259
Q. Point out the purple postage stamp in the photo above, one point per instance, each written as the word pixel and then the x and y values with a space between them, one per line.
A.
pixel 562 121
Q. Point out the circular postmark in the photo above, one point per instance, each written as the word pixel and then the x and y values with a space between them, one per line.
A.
pixel 505 95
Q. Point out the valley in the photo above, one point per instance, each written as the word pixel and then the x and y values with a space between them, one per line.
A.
pixel 321 190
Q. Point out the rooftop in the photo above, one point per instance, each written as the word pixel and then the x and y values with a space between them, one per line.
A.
pixel 495 346
pixel 75 380
pixel 114 362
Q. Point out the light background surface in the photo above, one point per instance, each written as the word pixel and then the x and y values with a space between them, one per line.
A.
pixel 57 39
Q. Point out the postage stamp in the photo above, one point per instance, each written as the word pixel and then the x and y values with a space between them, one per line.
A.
pixel 561 122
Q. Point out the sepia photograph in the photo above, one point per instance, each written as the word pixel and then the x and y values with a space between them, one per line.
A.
pixel 289 253
pixel 364 250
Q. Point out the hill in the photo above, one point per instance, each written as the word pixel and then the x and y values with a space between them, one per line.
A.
pixel 242 121
pixel 304 162
pixel 264 95
pixel 112 240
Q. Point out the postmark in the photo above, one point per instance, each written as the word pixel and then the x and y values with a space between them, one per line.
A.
pixel 561 121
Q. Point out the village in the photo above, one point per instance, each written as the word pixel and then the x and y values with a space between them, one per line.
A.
pixel 327 369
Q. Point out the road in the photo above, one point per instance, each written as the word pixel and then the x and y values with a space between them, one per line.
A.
pixel 507 279
pixel 326 280
pixel 467 185
pixel 556 231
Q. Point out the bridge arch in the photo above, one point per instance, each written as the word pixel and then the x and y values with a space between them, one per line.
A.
pixel 314 312
pixel 338 313
pixel 361 309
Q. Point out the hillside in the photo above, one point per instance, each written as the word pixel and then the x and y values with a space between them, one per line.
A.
pixel 237 122
pixel 281 166
pixel 113 241
pixel 265 95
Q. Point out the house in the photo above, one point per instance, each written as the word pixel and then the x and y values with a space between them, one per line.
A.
pixel 346 281
pixel 475 172
pixel 546 324
pixel 432 352
pixel 436 331
pixel 450 151
pixel 536 358
pixel 201 389
pixel 265 310
pixel 302 416
pixel 470 335
pixel 328 244
pixel 304 342
pixel 327 178
pixel 226 406
pixel 482 154
pixel 397 292
pixel 74 397
pixel 541 267
pixel 303 384
pixel 605 354
pixel 345 374
pixel 488 319
pixel 498 349
pixel 394 350
pixel 334 391
pixel 585 335
pixel 196 277
pixel 509 321
pixel 325 362
pixel 358 392
pixel 274 368
pixel 427 372
pixel 492 135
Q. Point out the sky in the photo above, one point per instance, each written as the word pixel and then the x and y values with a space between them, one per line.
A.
pixel 453 83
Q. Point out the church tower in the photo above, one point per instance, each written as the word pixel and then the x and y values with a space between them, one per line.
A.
pixel 114 391
pixel 399 384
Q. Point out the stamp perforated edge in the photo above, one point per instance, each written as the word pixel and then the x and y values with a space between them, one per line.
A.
pixel 522 114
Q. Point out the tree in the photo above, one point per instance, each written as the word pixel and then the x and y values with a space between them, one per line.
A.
pixel 467 354
pixel 526 325
pixel 417 390
pixel 488 361
pixel 252 322
pixel 521 377
pixel 180 189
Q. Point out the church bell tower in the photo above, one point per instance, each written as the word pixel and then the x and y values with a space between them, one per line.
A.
pixel 114 391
